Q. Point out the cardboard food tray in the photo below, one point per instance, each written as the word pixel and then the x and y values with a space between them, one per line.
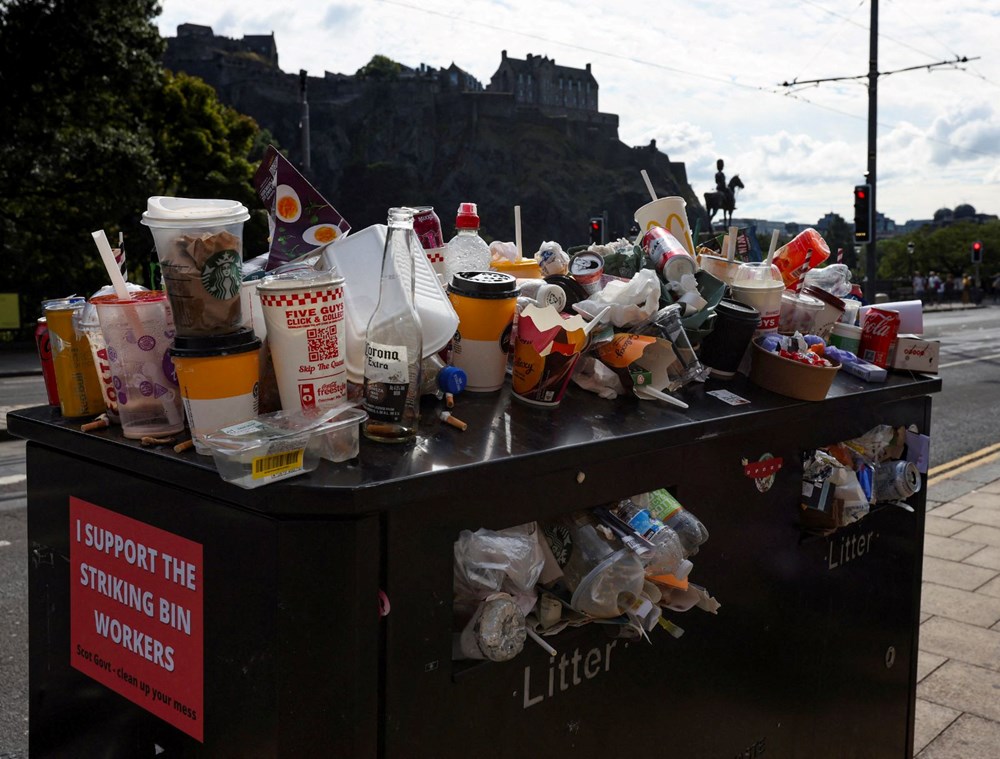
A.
pixel 791 378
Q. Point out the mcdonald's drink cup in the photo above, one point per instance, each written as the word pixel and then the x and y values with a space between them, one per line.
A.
pixel 76 378
pixel 304 316
pixel 878 333
pixel 759 284
pixel 218 376
pixel 669 213
pixel 485 302
pixel 138 333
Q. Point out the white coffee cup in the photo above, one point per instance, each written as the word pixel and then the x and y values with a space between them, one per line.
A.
pixel 670 214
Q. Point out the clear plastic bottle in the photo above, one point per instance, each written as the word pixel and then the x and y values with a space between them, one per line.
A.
pixel 394 340
pixel 688 527
pixel 668 554
pixel 466 251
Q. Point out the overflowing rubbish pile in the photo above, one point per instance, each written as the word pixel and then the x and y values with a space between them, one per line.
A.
pixel 624 565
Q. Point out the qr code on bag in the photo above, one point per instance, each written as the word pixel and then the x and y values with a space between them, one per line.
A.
pixel 322 344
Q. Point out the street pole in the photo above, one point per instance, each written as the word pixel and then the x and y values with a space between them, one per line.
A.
pixel 870 251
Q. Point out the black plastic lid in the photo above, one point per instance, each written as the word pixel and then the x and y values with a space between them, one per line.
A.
pixel 200 346
pixel 575 292
pixel 733 309
pixel 484 284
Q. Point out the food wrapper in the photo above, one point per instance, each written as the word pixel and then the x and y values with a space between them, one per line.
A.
pixel 805 251
pixel 643 361
pixel 300 219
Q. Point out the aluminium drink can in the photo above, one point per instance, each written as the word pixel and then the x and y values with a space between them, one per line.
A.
pixel 878 333
pixel 44 345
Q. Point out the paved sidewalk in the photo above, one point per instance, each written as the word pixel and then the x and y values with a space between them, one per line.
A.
pixel 958 691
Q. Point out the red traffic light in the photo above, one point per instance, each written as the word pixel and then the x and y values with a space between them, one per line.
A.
pixel 977 246
pixel 860 193
pixel 595 225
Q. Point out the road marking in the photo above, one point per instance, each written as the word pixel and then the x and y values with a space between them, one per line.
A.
pixel 968 361
pixel 12 479
pixel 963 464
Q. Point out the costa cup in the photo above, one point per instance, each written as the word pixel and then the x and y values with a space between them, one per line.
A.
pixel 485 302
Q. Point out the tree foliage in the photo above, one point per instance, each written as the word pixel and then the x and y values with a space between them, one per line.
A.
pixel 946 250
pixel 93 126
pixel 380 67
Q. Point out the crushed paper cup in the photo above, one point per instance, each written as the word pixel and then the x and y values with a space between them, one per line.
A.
pixel 547 349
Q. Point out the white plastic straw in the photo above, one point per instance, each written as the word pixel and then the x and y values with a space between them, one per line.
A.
pixel 731 253
pixel 660 395
pixel 774 245
pixel 108 256
pixel 649 185
pixel 538 639
pixel 517 230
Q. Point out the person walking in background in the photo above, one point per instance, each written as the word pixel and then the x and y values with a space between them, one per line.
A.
pixel 934 288
pixel 966 288
pixel 949 288
pixel 919 285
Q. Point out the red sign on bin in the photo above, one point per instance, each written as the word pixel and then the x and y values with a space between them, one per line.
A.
pixel 136 620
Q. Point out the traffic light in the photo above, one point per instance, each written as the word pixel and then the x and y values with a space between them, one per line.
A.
pixel 863 213
pixel 597 230
pixel 977 252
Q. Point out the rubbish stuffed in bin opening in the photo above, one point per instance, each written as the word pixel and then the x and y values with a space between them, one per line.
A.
pixel 624 565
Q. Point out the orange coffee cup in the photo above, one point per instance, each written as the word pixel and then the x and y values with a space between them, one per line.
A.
pixel 485 302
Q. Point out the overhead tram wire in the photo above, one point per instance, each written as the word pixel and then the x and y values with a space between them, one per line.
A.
pixel 830 38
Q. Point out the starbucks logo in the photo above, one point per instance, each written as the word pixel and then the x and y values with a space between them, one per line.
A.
pixel 560 541
pixel 221 275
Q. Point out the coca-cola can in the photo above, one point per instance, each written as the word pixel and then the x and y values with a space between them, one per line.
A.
pixel 427 225
pixel 878 333
pixel 667 254
pixel 45 357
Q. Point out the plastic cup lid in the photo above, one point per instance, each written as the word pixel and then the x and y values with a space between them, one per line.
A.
pixel 825 296
pixel 737 310
pixel 300 279
pixel 195 346
pixel 164 211
pixel 484 284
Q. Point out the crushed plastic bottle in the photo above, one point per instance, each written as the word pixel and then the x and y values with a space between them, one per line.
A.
pixel 667 556
pixel 667 509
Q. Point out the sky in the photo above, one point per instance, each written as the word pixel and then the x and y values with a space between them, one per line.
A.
pixel 706 81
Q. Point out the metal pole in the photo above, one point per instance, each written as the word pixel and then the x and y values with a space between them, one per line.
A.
pixel 870 255
pixel 304 123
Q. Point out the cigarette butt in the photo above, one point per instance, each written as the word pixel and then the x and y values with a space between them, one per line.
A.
pixel 149 440
pixel 381 429
pixel 181 447
pixel 454 421
pixel 98 424
pixel 449 399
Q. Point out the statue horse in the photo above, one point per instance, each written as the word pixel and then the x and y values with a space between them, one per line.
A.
pixel 715 201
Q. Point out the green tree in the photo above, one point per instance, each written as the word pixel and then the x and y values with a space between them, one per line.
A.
pixel 380 67
pixel 78 79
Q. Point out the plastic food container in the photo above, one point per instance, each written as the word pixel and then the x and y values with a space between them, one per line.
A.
pixel 833 309
pixel 798 313
pixel 358 258
pixel 785 376
pixel 284 444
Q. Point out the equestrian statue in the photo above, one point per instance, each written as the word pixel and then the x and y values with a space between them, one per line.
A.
pixel 723 197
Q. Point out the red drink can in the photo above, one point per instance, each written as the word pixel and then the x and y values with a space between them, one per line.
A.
pixel 668 255
pixel 878 333
pixel 45 356
pixel 427 225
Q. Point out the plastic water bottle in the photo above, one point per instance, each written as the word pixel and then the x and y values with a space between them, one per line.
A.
pixel 668 553
pixel 689 529
pixel 466 251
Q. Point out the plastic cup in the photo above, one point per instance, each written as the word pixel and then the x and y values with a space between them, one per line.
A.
pixel 304 314
pixel 833 309
pixel 846 337
pixel 485 302
pixel 199 243
pixel 669 213
pixel 798 313
pixel 218 376
pixel 851 309
pixel 759 284
pixel 138 333
pixel 76 377
pixel 719 267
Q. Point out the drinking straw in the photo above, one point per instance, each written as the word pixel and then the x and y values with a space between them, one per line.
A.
pixel 731 253
pixel 660 395
pixel 108 257
pixel 649 185
pixel 774 245
pixel 589 326
pixel 538 639
pixel 517 230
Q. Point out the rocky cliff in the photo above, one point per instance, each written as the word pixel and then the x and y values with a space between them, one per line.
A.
pixel 412 141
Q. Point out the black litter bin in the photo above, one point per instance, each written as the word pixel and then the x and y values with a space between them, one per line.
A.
pixel 270 602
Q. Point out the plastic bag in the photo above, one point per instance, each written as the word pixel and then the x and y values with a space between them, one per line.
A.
pixel 488 561
pixel 835 279
pixel 632 302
